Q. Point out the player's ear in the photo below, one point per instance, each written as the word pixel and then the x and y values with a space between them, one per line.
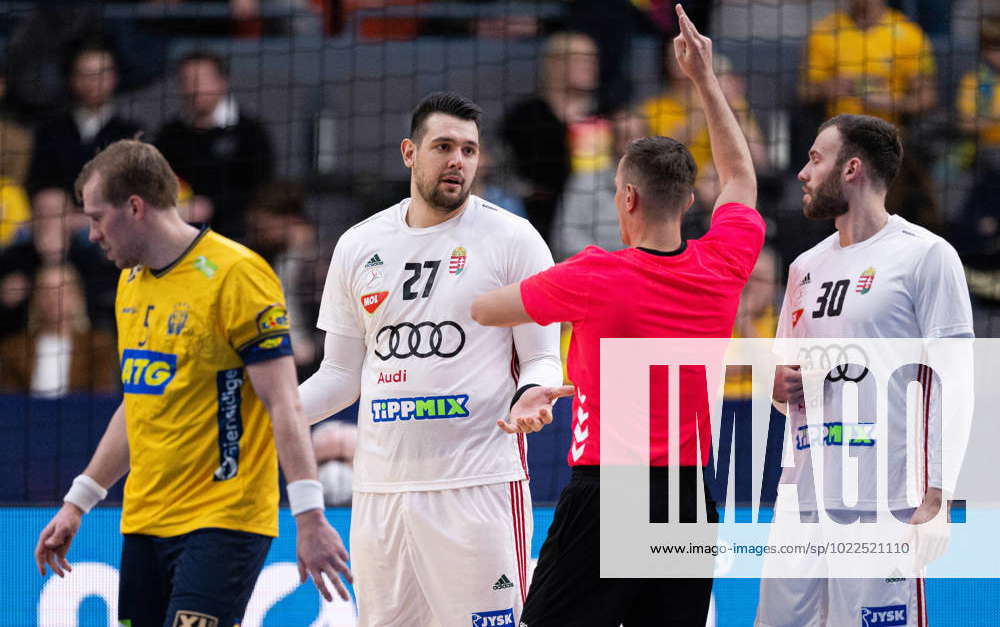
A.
pixel 852 169
pixel 408 149
pixel 136 206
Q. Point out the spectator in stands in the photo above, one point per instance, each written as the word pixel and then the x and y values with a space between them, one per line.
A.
pixel 279 231
pixel 586 213
pixel 869 59
pixel 214 146
pixel 676 113
pixel 334 442
pixel 64 143
pixel 614 24
pixel 873 60
pixel 556 132
pixel 57 235
pixel 59 354
pixel 979 117
pixel 15 152
pixel 15 139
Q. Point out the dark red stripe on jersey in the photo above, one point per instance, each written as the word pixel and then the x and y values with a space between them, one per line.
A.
pixel 926 383
pixel 517 511
pixel 921 605
pixel 522 451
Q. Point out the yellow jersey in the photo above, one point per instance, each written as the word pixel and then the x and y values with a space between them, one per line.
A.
pixel 979 98
pixel 887 57
pixel 201 448
pixel 15 211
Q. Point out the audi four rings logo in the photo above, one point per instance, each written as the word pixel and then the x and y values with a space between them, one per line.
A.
pixel 424 339
pixel 837 360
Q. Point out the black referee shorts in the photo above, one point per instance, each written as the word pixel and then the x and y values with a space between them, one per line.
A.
pixel 199 579
pixel 567 589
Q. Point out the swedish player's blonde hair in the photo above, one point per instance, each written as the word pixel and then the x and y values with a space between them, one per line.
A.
pixel 129 167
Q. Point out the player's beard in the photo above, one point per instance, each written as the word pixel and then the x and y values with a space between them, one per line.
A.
pixel 438 199
pixel 828 200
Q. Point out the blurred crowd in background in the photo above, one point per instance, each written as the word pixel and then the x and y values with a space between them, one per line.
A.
pixel 302 141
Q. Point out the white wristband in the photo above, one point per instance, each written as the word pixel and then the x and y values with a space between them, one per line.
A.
pixel 85 493
pixel 305 495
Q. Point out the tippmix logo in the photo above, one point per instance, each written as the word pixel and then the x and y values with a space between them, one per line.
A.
pixel 420 408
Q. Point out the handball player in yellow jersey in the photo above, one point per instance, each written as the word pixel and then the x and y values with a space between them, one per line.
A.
pixel 210 406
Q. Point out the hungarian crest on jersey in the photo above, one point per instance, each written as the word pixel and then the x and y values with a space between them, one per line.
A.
pixel 865 281
pixel 457 262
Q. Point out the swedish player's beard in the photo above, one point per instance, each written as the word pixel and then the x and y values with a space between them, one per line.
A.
pixel 827 201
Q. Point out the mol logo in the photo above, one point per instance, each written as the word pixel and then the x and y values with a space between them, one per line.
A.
pixel 885 616
pixel 497 618
pixel 147 372
pixel 420 408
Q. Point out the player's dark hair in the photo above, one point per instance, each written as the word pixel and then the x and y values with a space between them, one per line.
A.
pixel 130 167
pixel 664 172
pixel 207 56
pixel 446 102
pixel 873 140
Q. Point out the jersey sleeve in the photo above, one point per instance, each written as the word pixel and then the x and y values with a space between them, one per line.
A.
pixel 561 293
pixel 337 311
pixel 253 313
pixel 736 236
pixel 941 295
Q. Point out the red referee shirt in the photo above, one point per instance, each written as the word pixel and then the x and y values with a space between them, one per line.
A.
pixel 635 293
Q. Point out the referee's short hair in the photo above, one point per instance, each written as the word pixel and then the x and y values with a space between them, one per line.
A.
pixel 873 140
pixel 664 172
pixel 446 102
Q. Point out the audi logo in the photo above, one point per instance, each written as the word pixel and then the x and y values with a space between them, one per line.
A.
pixel 424 339
pixel 837 360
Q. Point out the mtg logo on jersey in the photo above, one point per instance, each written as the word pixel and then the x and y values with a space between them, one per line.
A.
pixel 147 372
pixel 420 408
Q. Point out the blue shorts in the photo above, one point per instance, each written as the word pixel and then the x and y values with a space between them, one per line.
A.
pixel 200 579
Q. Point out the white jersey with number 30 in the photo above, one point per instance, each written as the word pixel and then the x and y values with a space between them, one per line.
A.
pixel 434 382
pixel 903 282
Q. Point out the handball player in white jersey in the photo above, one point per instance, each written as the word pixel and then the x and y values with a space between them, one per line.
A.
pixel 441 521
pixel 877 276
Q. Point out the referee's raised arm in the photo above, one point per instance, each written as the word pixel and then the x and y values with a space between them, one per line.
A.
pixel 730 152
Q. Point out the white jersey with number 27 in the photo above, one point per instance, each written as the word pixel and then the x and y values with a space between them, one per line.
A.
pixel 434 382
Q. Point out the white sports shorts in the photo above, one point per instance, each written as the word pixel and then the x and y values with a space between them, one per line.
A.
pixel 444 558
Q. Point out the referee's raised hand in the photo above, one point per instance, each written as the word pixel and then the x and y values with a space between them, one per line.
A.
pixel 693 50
pixel 533 410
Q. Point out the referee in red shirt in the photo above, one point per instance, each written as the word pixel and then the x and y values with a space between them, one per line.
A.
pixel 659 287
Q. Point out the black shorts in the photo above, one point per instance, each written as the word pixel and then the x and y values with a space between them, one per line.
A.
pixel 567 589
pixel 199 579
